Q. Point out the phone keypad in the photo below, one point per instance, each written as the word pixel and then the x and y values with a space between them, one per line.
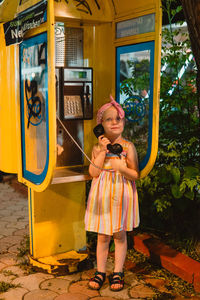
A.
pixel 72 107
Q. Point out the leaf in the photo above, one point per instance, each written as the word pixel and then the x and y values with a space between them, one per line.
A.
pixel 191 172
pixel 164 175
pixel 175 174
pixel 112 247
pixel 189 195
pixel 175 189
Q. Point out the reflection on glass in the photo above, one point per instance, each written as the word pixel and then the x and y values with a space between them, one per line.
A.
pixel 134 96
pixel 34 97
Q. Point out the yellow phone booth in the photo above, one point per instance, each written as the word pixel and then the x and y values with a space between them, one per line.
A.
pixel 59 62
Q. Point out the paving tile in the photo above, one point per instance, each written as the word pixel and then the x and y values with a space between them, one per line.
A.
pixel 129 265
pixel 110 264
pixel 81 287
pixel 57 285
pixel 32 282
pixel 88 274
pixel 130 278
pixel 20 213
pixel 141 291
pixel 14 249
pixel 11 240
pixel 6 213
pixel 2 266
pixel 9 218
pixel 71 277
pixel 3 223
pixel 7 231
pixel 40 295
pixel 122 295
pixel 5 278
pixel 70 296
pixel 103 298
pixel 8 259
pixel 14 294
pixel 17 225
pixel 5 186
pixel 159 284
pixel 17 271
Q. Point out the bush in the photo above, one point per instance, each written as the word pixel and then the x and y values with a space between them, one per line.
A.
pixel 170 195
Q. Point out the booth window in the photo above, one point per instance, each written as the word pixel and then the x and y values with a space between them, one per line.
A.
pixel 135 73
pixel 34 108
pixel 143 24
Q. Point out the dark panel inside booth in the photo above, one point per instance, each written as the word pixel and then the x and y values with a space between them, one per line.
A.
pixel 71 155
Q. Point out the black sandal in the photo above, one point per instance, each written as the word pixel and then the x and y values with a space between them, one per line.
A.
pixel 98 280
pixel 116 278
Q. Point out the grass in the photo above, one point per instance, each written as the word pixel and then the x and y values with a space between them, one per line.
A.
pixel 5 286
pixel 24 247
pixel 23 252
pixel 9 273
pixel 173 284
pixel 189 245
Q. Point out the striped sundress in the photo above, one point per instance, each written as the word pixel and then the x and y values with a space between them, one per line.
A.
pixel 112 204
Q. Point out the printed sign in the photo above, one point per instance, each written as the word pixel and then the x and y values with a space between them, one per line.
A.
pixel 31 18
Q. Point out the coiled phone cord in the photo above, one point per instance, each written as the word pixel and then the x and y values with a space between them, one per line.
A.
pixel 69 134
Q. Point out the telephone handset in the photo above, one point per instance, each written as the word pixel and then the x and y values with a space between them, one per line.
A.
pixel 116 148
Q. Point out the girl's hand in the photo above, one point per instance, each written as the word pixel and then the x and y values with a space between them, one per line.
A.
pixel 118 164
pixel 103 142
pixel 60 149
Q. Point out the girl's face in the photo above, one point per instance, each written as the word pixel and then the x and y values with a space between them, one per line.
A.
pixel 112 123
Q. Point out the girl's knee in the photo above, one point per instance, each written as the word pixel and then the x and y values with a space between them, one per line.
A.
pixel 103 238
pixel 120 236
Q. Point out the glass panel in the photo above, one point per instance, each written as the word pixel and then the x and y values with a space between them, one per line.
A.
pixel 34 107
pixel 135 93
pixel 135 26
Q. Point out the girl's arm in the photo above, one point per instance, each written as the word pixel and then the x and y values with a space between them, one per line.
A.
pixel 131 171
pixel 98 156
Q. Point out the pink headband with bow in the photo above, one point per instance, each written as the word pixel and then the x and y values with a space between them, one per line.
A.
pixel 118 107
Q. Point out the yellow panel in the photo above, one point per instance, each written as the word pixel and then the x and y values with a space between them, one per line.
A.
pixel 57 219
pixel 8 121
pixel 130 7
pixel 8 10
pixel 88 11
pixel 26 4
pixel 97 49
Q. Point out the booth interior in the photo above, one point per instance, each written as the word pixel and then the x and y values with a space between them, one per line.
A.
pixel 83 68
pixel 56 79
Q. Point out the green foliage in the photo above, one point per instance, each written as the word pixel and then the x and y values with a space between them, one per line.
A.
pixel 24 246
pixel 140 77
pixel 170 194
pixel 173 183
pixel 5 286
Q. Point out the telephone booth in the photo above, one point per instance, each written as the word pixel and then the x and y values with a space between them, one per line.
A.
pixel 59 62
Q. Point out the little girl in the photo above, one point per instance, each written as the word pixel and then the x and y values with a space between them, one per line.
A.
pixel 112 207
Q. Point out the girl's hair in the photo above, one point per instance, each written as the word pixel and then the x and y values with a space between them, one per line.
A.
pixel 106 106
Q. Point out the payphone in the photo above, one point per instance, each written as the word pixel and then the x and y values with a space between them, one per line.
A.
pixel 75 96
pixel 74 92
pixel 95 38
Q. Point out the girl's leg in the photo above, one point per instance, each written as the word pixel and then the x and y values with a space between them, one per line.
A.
pixel 103 242
pixel 120 253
